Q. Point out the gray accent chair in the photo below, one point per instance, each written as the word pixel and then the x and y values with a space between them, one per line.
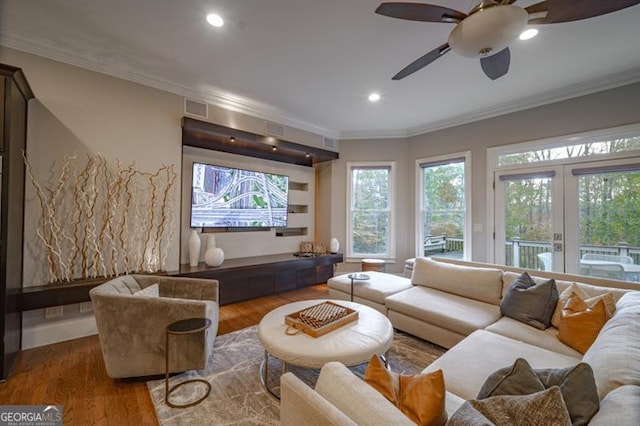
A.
pixel 132 328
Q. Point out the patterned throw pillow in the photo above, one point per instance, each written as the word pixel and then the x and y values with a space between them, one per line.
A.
pixel 420 397
pixel 577 386
pixel 542 408
pixel 151 291
pixel 530 303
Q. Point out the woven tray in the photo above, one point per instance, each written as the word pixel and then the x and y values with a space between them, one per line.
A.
pixel 320 319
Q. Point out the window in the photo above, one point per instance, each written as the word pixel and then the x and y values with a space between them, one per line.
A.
pixel 370 221
pixel 570 204
pixel 575 147
pixel 443 206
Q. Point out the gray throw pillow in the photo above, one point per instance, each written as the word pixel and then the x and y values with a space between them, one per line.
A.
pixel 530 303
pixel 576 383
pixel 542 408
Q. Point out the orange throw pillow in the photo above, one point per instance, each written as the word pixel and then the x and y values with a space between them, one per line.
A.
pixel 420 397
pixel 581 324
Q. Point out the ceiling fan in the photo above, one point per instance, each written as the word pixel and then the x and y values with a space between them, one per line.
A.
pixel 491 26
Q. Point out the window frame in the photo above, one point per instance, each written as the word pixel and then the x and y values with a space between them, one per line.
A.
pixel 493 166
pixel 419 212
pixel 390 256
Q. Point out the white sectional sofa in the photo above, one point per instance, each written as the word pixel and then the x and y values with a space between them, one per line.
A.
pixel 457 305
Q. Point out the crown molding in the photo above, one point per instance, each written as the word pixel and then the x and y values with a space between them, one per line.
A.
pixel 212 95
pixel 569 92
pixel 223 99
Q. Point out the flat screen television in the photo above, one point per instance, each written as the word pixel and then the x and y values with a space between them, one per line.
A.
pixel 224 197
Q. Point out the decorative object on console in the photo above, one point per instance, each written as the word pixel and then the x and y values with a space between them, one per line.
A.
pixel 334 245
pixel 194 248
pixel 319 248
pixel 420 397
pixel 213 256
pixel 103 219
pixel 306 246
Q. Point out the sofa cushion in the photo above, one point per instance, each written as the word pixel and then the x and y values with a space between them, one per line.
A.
pixel 447 310
pixel 580 324
pixel 420 397
pixel 614 354
pixel 576 384
pixel 530 302
pixel 620 407
pixel 377 288
pixel 492 352
pixel 609 302
pixel 482 284
pixel 356 399
pixel 547 339
pixel 541 408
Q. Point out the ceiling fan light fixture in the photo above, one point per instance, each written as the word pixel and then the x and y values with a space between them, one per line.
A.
pixel 374 97
pixel 528 34
pixel 491 29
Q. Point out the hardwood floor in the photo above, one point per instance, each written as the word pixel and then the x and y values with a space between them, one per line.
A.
pixel 72 373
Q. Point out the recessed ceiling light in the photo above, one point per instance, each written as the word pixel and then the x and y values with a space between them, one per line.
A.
pixel 528 34
pixel 374 97
pixel 215 20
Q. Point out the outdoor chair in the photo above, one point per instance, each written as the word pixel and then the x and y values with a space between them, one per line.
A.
pixel 435 243
pixel 546 261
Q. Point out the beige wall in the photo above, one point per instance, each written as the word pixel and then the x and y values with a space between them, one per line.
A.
pixel 612 108
pixel 81 111
pixel 370 150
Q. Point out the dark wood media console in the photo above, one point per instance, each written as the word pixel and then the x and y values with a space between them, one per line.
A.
pixel 250 277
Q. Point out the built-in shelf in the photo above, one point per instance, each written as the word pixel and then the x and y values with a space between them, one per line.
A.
pixel 298 186
pixel 291 232
pixel 202 134
pixel 298 208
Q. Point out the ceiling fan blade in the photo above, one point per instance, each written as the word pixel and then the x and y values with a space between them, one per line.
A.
pixel 422 62
pixel 495 66
pixel 571 10
pixel 420 12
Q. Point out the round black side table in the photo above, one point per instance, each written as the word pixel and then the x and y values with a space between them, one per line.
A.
pixel 359 277
pixel 185 326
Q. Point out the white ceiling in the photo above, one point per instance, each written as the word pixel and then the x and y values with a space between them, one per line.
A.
pixel 312 63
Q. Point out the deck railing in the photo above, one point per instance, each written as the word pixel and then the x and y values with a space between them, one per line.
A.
pixel 524 254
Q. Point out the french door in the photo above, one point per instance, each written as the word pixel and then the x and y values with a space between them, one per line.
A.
pixel 529 218
pixel 581 218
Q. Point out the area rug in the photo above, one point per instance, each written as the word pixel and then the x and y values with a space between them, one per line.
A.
pixel 238 398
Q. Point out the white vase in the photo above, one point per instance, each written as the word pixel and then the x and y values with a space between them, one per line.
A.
pixel 211 242
pixel 334 245
pixel 194 248
pixel 214 256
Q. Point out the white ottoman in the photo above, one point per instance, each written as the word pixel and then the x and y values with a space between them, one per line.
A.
pixel 352 344
pixel 371 292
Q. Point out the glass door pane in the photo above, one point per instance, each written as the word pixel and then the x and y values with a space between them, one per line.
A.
pixel 529 220
pixel 608 218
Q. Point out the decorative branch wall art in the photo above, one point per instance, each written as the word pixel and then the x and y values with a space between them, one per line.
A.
pixel 103 220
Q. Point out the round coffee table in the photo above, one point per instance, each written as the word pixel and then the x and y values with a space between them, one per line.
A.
pixel 351 344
